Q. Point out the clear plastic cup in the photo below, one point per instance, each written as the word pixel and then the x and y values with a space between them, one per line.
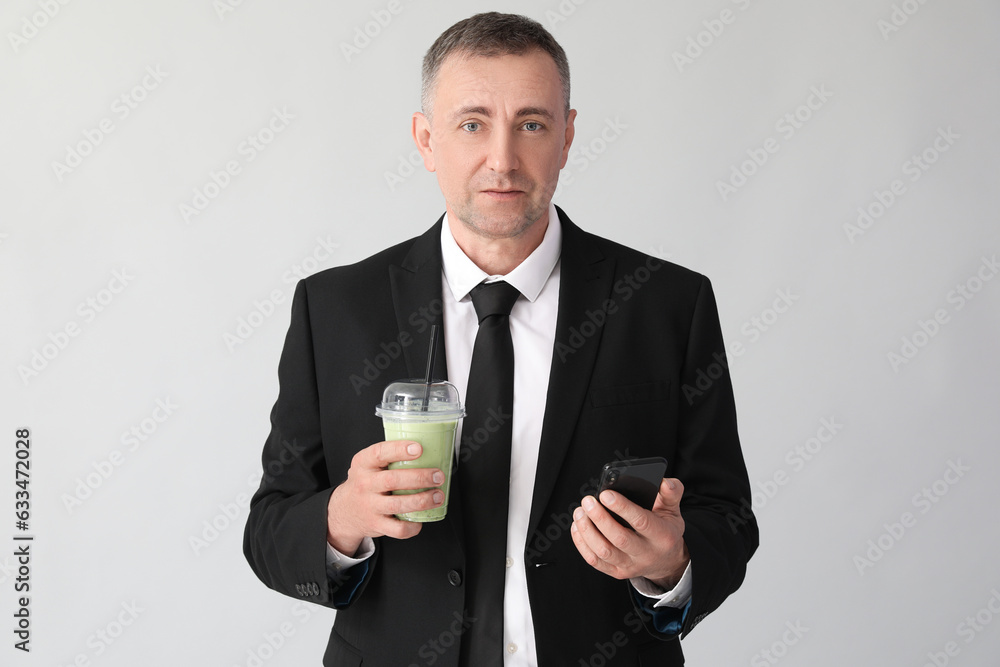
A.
pixel 428 414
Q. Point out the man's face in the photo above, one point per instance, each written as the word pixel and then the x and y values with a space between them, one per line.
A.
pixel 497 137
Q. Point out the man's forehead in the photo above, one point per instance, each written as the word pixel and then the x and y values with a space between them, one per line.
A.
pixel 528 79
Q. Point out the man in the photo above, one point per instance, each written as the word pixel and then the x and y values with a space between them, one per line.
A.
pixel 616 355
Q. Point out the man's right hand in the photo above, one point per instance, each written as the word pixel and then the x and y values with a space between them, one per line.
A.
pixel 363 506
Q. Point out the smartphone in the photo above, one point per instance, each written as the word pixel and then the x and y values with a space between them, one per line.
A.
pixel 638 480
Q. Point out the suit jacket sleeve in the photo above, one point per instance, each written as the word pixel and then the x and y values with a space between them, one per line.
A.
pixel 720 530
pixel 285 538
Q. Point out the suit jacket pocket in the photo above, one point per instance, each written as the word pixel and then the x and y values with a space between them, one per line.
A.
pixel 645 392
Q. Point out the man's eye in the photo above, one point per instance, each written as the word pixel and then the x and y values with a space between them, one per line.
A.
pixel 471 127
pixel 532 126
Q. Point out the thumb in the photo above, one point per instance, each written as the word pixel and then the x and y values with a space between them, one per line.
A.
pixel 668 498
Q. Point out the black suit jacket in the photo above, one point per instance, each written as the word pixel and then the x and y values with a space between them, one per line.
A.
pixel 638 370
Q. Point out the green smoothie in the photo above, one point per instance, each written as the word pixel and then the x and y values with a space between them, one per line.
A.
pixel 428 413
pixel 438 441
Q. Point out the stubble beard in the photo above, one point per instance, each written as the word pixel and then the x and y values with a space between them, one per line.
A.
pixel 504 226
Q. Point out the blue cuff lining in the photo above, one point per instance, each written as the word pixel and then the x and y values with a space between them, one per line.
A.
pixel 668 621
pixel 350 581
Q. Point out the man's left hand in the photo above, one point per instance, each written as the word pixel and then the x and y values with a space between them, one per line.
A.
pixel 654 550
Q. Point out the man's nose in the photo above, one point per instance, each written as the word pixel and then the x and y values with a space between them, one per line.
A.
pixel 503 152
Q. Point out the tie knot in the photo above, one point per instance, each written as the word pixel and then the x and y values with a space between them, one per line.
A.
pixel 493 299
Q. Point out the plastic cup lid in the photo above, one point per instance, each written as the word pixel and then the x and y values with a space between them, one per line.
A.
pixel 413 399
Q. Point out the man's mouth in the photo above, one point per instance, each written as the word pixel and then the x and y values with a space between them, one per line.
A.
pixel 502 194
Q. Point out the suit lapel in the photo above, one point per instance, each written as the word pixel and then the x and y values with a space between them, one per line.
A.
pixel 585 283
pixel 416 298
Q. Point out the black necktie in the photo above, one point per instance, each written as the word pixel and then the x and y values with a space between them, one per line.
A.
pixel 484 472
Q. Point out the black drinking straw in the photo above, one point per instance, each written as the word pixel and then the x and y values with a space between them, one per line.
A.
pixel 431 352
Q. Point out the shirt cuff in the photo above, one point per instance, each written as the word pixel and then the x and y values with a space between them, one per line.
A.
pixel 675 598
pixel 337 561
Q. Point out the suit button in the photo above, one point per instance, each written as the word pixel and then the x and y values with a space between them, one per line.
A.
pixel 454 577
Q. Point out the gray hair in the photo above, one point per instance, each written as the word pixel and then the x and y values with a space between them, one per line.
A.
pixel 489 35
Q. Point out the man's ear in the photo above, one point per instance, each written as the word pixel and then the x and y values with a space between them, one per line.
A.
pixel 570 133
pixel 422 138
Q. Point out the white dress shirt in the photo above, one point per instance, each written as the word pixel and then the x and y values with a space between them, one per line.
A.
pixel 533 330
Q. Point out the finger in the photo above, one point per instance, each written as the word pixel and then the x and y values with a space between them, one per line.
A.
pixel 636 516
pixel 381 454
pixel 608 538
pixel 581 526
pixel 407 479
pixel 390 526
pixel 585 535
pixel 668 497
pixel 410 502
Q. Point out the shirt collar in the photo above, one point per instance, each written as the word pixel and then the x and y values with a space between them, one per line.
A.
pixel 528 277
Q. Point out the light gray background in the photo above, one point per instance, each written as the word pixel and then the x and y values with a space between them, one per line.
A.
pixel 670 133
